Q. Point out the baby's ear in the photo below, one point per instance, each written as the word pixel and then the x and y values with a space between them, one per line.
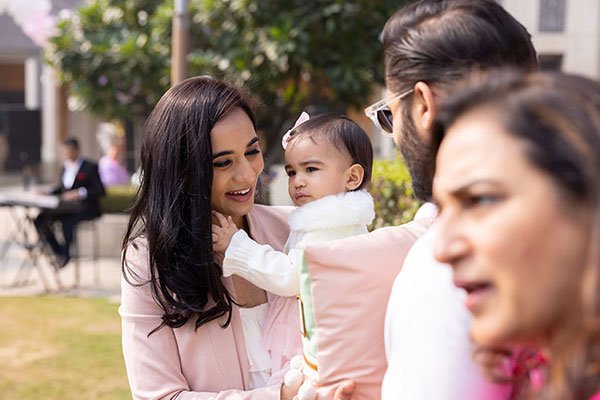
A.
pixel 355 176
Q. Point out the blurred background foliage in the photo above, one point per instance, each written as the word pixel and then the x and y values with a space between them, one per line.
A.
pixel 318 55
pixel 107 55
pixel 392 193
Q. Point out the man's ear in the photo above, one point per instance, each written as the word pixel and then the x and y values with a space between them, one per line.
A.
pixel 355 176
pixel 423 110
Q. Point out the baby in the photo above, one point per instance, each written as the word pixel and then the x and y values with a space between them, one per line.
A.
pixel 328 160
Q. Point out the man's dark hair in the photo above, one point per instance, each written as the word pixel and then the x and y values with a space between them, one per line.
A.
pixel 71 142
pixel 440 41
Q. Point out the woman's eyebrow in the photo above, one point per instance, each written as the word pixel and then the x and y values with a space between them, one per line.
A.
pixel 463 189
pixel 222 153
pixel 254 140
pixel 226 152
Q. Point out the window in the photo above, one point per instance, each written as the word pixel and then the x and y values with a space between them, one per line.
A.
pixel 552 15
pixel 550 62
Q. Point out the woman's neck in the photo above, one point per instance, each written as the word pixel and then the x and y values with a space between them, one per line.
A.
pixel 241 222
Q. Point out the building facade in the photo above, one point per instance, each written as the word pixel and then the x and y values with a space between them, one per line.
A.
pixel 566 33
pixel 27 83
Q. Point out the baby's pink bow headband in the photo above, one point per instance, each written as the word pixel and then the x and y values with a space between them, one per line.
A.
pixel 301 119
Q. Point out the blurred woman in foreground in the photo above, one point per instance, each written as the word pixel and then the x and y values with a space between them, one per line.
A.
pixel 517 181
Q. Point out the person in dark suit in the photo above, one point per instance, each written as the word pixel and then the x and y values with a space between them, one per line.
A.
pixel 80 188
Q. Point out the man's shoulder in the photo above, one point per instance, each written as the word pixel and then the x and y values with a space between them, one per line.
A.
pixel 422 269
pixel 86 163
pixel 422 250
pixel 383 238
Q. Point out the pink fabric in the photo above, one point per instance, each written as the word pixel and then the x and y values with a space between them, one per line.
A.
pixel 184 363
pixel 596 396
pixel 351 280
pixel 536 364
pixel 281 335
pixel 536 377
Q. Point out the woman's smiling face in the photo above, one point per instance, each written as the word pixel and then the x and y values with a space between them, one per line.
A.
pixel 237 164
pixel 515 244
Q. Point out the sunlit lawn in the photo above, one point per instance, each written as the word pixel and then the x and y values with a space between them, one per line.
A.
pixel 60 348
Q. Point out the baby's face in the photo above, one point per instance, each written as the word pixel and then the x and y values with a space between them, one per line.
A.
pixel 315 170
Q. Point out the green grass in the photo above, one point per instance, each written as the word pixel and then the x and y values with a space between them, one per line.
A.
pixel 60 348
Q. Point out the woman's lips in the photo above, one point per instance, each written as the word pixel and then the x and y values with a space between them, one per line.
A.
pixel 477 293
pixel 240 195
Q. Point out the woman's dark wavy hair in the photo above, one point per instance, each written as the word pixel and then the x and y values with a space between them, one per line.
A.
pixel 172 209
pixel 557 118
pixel 341 133
pixel 441 41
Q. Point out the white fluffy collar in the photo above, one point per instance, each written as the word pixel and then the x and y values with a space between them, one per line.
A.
pixel 335 211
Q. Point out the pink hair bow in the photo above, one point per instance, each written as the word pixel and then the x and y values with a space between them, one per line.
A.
pixel 301 119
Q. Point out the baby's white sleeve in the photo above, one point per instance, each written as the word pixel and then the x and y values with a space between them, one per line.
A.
pixel 271 270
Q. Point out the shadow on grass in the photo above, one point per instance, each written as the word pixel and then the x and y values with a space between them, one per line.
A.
pixel 61 348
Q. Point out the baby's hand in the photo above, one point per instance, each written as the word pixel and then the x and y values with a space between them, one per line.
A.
pixel 223 232
pixel 295 380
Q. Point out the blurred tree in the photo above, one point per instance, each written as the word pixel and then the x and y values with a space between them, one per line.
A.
pixel 105 52
pixel 107 55
pixel 292 55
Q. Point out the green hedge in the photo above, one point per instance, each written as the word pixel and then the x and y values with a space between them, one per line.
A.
pixel 118 199
pixel 392 192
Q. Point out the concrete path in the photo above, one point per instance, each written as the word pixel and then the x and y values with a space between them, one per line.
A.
pixel 19 277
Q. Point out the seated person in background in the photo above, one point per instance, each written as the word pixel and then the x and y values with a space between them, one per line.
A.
pixel 328 160
pixel 80 188
pixel 112 171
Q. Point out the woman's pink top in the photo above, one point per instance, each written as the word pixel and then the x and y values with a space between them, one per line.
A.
pixel 211 362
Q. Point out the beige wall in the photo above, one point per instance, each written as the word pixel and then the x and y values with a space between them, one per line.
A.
pixel 82 126
pixel 579 43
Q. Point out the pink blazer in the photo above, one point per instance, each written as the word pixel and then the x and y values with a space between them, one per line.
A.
pixel 210 363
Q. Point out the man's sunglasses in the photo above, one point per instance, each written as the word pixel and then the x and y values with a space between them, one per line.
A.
pixel 381 115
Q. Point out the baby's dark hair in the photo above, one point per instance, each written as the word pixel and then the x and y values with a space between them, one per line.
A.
pixel 342 133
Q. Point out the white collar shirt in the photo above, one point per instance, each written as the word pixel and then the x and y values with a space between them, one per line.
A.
pixel 70 173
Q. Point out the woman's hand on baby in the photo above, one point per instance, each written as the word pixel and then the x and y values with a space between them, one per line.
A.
pixel 288 393
pixel 222 232
pixel 345 390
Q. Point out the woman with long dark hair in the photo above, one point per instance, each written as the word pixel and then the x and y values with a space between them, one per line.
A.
pixel 188 332
pixel 517 179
